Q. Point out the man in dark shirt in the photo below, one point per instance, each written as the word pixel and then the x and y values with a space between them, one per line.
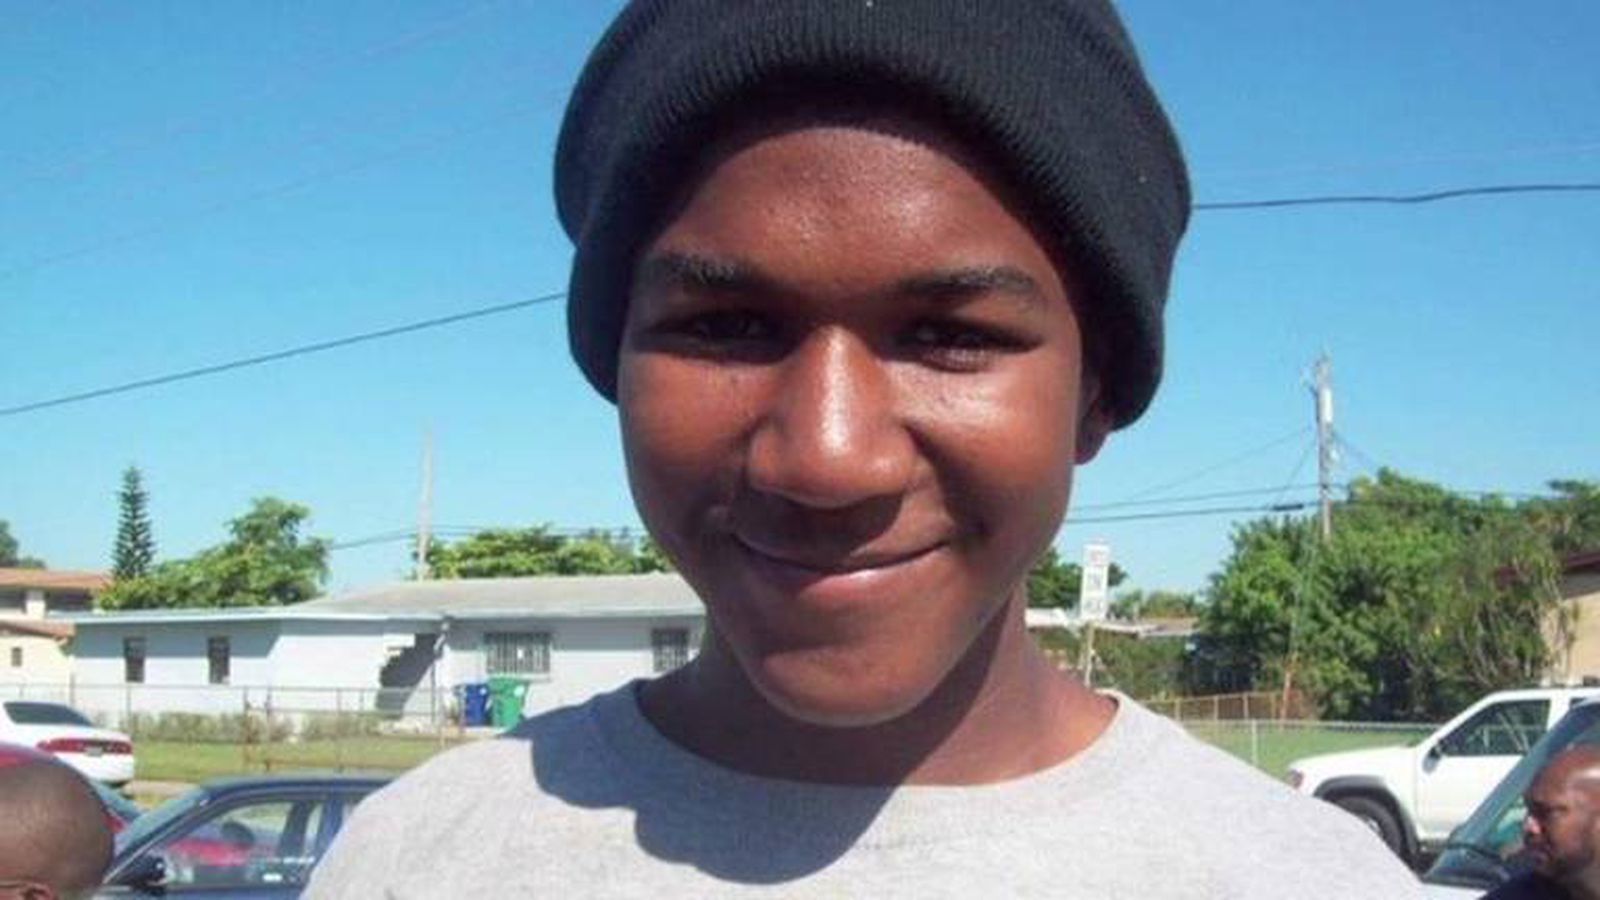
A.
pixel 1561 833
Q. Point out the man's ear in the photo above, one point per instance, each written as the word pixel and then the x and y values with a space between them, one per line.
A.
pixel 1093 429
pixel 33 890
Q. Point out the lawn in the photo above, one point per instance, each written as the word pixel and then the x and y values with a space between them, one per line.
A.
pixel 196 762
pixel 1271 746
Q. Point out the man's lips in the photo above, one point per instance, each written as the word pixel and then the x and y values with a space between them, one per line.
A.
pixel 823 565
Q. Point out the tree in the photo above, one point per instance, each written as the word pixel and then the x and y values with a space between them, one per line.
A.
pixel 265 562
pixel 136 546
pixel 10 551
pixel 1422 600
pixel 515 552
pixel 1054 583
pixel 1155 604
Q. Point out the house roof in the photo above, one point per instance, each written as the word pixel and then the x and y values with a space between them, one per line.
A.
pixel 54 579
pixel 545 597
pixel 36 627
pixel 556 597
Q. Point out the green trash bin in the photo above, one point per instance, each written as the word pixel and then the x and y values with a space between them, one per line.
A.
pixel 506 695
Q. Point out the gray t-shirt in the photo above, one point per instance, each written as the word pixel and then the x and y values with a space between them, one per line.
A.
pixel 592 801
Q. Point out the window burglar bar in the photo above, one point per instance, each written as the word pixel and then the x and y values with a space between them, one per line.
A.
pixel 517 652
pixel 670 647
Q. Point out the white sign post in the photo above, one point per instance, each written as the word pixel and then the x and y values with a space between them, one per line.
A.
pixel 1094 597
pixel 1094 586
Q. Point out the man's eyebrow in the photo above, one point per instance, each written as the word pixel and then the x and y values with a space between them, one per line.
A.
pixel 955 284
pixel 693 271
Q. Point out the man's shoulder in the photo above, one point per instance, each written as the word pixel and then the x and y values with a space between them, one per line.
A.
pixel 1529 886
pixel 469 796
pixel 496 767
pixel 1208 803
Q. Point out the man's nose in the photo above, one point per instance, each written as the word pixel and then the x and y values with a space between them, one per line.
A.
pixel 831 436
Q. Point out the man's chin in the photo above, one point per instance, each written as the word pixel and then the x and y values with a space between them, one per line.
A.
pixel 830 699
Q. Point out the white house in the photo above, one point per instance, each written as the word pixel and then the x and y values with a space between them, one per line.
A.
pixel 402 649
pixel 33 648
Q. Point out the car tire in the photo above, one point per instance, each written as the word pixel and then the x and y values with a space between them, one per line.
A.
pixel 1375 814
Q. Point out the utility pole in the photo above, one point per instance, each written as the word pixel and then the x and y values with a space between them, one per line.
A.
pixel 1322 397
pixel 425 507
pixel 1322 393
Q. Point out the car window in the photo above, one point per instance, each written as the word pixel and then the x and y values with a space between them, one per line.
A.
pixel 30 712
pixel 268 843
pixel 1504 729
pixel 1486 849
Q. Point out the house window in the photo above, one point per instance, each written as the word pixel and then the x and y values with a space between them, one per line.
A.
pixel 217 657
pixel 517 652
pixel 16 657
pixel 669 647
pixel 133 660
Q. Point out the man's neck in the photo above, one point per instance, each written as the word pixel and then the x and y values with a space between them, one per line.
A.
pixel 1004 712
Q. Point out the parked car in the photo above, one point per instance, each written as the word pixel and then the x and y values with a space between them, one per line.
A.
pixel 99 753
pixel 239 838
pixel 1414 796
pixel 1486 850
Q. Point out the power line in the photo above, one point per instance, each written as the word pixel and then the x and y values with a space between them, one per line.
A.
pixel 1294 506
pixel 1553 150
pixel 1200 473
pixel 1214 495
pixel 292 185
pixel 1487 190
pixel 303 350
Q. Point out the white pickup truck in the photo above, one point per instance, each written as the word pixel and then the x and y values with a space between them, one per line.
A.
pixel 1413 797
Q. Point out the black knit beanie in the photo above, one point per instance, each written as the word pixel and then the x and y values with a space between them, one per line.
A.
pixel 1049 92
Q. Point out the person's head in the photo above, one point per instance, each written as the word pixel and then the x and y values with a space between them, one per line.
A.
pixel 843 267
pixel 1561 832
pixel 54 837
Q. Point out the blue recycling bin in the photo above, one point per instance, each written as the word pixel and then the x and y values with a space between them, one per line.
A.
pixel 475 704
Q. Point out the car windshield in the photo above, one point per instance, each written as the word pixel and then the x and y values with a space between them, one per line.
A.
pixel 156 819
pixel 1486 849
pixel 120 806
pixel 29 712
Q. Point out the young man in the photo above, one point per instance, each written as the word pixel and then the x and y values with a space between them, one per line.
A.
pixel 54 838
pixel 1561 833
pixel 866 281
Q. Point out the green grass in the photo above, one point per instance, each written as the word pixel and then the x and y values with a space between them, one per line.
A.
pixel 1274 746
pixel 196 762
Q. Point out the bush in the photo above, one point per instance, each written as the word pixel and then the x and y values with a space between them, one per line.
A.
pixel 195 728
pixel 333 726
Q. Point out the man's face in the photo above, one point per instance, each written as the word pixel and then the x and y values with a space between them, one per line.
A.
pixel 1559 832
pixel 850 391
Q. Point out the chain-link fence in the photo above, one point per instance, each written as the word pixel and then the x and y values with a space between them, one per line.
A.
pixel 191 733
pixel 1271 744
pixel 194 732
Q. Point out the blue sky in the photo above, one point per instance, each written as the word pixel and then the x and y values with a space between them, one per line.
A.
pixel 183 184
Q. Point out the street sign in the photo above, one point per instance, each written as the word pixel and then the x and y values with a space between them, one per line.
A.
pixel 1094 587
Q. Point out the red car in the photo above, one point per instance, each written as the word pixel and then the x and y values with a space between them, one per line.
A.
pixel 120 813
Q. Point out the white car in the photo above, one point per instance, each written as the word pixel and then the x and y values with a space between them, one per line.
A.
pixel 99 753
pixel 1414 796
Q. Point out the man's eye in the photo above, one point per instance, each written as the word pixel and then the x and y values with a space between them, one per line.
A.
pixel 724 326
pixel 956 345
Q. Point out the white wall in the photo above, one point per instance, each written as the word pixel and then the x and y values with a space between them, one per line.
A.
pixel 587 656
pixel 319 665
pixel 42 660
pixel 176 670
